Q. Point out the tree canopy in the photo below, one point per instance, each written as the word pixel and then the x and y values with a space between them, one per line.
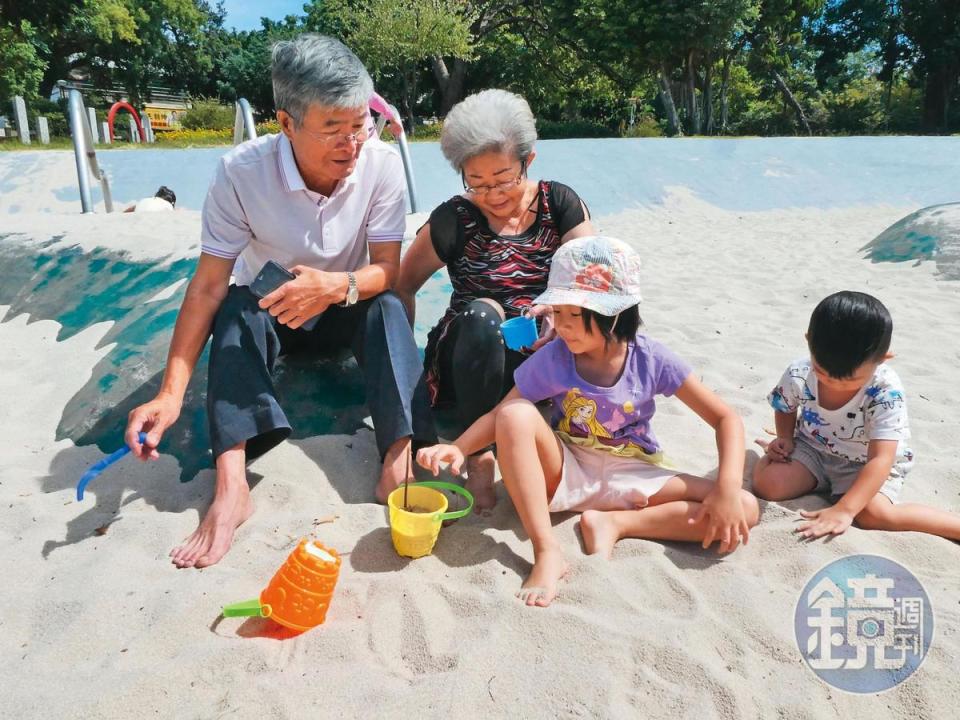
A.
pixel 592 66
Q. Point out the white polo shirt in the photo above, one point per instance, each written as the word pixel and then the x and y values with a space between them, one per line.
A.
pixel 258 208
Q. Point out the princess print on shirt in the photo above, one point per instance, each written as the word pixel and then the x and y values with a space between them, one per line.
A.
pixel 580 417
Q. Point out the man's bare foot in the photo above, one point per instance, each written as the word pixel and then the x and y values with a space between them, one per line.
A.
pixel 600 532
pixel 480 473
pixel 210 541
pixel 397 463
pixel 540 588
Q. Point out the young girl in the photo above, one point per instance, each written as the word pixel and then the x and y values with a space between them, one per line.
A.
pixel 599 454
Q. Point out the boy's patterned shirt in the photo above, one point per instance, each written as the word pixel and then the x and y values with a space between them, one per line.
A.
pixel 877 412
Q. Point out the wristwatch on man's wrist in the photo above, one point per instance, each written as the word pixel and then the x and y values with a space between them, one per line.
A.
pixel 353 292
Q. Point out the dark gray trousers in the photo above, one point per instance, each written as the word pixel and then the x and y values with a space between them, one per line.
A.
pixel 241 401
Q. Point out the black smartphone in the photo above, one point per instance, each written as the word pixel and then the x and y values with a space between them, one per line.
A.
pixel 271 276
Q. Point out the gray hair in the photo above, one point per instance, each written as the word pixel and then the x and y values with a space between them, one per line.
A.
pixel 490 121
pixel 315 69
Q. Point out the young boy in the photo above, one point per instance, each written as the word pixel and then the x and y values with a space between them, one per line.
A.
pixel 852 434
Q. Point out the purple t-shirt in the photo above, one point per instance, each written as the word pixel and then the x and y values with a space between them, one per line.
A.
pixel 613 418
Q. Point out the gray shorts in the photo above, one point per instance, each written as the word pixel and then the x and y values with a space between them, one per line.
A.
pixel 835 475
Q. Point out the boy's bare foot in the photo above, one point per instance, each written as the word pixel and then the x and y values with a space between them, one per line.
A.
pixel 540 588
pixel 397 463
pixel 212 539
pixel 480 473
pixel 600 532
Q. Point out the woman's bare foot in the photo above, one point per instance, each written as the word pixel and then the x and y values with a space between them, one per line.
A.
pixel 600 532
pixel 540 588
pixel 210 541
pixel 480 473
pixel 397 466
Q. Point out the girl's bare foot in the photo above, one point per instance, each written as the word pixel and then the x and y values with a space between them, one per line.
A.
pixel 212 539
pixel 540 588
pixel 480 474
pixel 600 532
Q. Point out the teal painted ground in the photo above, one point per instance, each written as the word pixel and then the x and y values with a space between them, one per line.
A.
pixel 80 289
pixel 932 233
pixel 77 290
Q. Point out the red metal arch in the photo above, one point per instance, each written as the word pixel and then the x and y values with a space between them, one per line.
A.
pixel 129 108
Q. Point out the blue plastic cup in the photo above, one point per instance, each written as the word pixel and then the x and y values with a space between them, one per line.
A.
pixel 519 332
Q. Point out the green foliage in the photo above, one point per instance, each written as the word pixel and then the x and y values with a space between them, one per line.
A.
pixel 58 121
pixel 847 66
pixel 21 68
pixel 857 108
pixel 395 39
pixel 646 126
pixel 426 131
pixel 557 130
pixel 389 35
pixel 270 127
pixel 245 65
pixel 208 115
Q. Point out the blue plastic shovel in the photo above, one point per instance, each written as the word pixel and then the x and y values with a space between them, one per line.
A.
pixel 103 465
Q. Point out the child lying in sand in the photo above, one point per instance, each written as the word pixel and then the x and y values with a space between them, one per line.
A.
pixel 852 436
pixel 600 456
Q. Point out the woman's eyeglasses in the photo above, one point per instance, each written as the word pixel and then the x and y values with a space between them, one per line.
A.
pixel 480 190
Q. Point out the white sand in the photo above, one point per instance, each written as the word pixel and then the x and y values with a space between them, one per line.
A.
pixel 106 627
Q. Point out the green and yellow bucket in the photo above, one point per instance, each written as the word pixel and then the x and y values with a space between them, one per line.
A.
pixel 415 533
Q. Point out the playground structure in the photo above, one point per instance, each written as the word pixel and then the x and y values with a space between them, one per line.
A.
pixel 83 131
pixel 123 105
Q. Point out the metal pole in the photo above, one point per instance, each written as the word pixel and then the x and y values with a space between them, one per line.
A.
pixel 408 170
pixel 75 107
pixel 85 155
pixel 244 127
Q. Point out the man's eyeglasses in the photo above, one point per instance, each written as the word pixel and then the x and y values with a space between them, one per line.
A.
pixel 338 140
pixel 481 190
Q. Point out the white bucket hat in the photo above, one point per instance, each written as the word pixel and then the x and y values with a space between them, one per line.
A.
pixel 597 273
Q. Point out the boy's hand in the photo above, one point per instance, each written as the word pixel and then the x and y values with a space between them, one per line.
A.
pixel 725 520
pixel 832 521
pixel 779 449
pixel 431 457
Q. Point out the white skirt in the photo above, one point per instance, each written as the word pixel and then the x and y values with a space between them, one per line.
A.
pixel 598 480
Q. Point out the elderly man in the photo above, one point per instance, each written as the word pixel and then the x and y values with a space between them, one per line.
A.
pixel 326 202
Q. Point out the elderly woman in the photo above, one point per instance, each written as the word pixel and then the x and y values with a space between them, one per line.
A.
pixel 496 240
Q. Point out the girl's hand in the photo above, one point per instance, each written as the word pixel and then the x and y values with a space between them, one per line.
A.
pixel 723 513
pixel 547 331
pixel 832 521
pixel 431 458
pixel 779 449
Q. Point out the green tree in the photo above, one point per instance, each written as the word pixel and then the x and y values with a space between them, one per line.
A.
pixel 776 40
pixel 245 65
pixel 131 42
pixel 21 68
pixel 933 29
pixel 396 40
pixel 630 40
